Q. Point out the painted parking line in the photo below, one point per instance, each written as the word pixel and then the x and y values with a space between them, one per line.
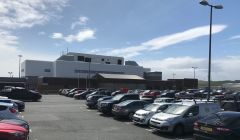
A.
pixel 150 130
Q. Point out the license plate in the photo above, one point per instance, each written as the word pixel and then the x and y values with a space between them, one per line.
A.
pixel 207 129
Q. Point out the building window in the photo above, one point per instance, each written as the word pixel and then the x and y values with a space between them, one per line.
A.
pixel 102 59
pixel 22 70
pixel 119 62
pixel 80 58
pixel 88 59
pixel 107 62
pixel 47 70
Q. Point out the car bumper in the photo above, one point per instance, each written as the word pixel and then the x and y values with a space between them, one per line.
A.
pixel 105 109
pixel 160 126
pixel 140 120
pixel 91 104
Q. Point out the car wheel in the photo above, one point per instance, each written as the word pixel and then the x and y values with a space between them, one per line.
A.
pixel 178 130
pixel 130 115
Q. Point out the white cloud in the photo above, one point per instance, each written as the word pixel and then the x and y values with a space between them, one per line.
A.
pixel 234 37
pixel 81 36
pixel 166 41
pixel 226 68
pixel 57 36
pixel 27 13
pixel 82 21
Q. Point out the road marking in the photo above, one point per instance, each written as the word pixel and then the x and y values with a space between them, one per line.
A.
pixel 150 130
pixel 128 123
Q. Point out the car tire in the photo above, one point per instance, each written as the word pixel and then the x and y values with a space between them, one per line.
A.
pixel 130 115
pixel 178 130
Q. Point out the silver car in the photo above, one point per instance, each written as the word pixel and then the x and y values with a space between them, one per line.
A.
pixel 180 117
pixel 144 115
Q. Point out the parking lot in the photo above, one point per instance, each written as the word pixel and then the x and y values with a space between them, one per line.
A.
pixel 60 118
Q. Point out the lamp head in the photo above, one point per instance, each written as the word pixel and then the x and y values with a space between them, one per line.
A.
pixel 204 2
pixel 218 7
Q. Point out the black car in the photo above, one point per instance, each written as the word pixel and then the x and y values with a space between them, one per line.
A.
pixel 106 106
pixel 218 126
pixel 127 108
pixel 103 99
pixel 22 94
pixel 169 94
pixel 82 95
pixel 230 105
pixel 92 101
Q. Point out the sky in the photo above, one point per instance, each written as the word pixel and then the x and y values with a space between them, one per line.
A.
pixel 165 35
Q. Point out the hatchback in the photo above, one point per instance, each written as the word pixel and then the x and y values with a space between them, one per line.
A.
pixel 218 126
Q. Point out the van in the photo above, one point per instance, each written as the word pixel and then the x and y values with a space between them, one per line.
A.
pixel 180 117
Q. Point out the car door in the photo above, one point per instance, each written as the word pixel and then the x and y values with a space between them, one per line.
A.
pixel 190 117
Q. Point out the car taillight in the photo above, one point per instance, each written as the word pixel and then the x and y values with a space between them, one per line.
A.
pixel 221 129
pixel 12 110
pixel 196 126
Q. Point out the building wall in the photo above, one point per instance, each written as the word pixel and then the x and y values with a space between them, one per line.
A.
pixel 98 58
pixel 80 69
pixel 37 68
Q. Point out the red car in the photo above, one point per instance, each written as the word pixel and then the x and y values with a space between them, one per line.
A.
pixel 12 132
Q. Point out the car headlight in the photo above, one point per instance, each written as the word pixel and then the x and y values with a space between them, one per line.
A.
pixel 18 134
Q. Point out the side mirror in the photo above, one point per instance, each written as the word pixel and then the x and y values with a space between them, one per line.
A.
pixel 190 115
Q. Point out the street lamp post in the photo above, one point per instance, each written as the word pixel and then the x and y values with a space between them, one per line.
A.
pixel 194 69
pixel 10 74
pixel 205 3
pixel 19 65
pixel 173 75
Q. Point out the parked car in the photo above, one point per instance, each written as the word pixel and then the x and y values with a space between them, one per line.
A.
pixel 164 100
pixel 152 94
pixel 126 109
pixel 71 94
pixel 106 106
pixel 103 99
pixel 144 115
pixel 91 101
pixel 232 96
pixel 18 122
pixel 22 94
pixel 116 93
pixel 218 126
pixel 19 105
pixel 82 95
pixel 230 105
pixel 7 111
pixel 169 94
pixel 71 91
pixel 102 92
pixel 180 117
pixel 12 132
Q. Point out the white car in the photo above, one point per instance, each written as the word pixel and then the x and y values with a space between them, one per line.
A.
pixel 7 111
pixel 180 117
pixel 144 115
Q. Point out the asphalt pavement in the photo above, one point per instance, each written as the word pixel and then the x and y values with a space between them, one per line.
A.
pixel 61 118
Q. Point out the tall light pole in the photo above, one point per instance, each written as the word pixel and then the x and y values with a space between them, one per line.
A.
pixel 10 74
pixel 194 69
pixel 205 3
pixel 19 65
pixel 173 75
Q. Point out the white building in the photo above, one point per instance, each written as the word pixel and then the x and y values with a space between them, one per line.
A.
pixel 74 65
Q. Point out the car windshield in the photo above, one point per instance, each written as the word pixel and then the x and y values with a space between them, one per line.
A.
pixel 176 109
pixel 152 107
pixel 117 97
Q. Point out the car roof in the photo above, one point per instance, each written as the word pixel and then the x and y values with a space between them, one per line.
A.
pixel 229 113
pixel 192 102
pixel 163 98
pixel 6 104
pixel 163 103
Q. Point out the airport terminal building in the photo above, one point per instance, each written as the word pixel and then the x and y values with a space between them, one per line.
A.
pixel 72 65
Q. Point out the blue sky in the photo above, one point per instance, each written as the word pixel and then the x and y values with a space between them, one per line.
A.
pixel 165 35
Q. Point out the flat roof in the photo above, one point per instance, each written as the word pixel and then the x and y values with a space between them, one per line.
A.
pixel 120 76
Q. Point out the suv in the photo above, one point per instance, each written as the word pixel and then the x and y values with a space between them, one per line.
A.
pixel 180 117
pixel 106 106
pixel 127 108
